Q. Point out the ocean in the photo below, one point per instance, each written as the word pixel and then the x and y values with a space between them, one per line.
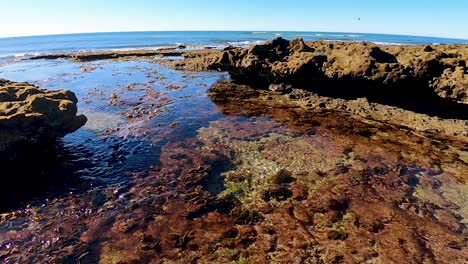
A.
pixel 35 45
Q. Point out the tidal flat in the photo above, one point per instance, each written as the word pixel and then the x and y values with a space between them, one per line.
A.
pixel 183 166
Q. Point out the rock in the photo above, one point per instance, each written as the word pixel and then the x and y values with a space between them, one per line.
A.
pixel 428 48
pixel 230 47
pixel 281 88
pixel 29 114
pixel 298 45
pixel 347 69
pixel 110 55
pixel 381 56
pixel 87 68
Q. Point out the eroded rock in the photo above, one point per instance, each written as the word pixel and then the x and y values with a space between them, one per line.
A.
pixel 350 68
pixel 30 115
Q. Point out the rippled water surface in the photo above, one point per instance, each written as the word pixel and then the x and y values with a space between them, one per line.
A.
pixel 102 155
pixel 106 149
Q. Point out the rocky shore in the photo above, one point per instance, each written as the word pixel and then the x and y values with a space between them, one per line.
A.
pixel 341 68
pixel 351 69
pixel 424 88
pixel 421 80
pixel 327 152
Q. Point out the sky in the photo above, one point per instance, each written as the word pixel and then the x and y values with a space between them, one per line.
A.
pixel 439 18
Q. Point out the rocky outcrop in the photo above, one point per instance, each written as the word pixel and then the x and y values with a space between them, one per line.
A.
pixel 351 69
pixel 235 99
pixel 30 115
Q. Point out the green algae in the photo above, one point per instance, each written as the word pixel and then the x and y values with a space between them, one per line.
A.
pixel 265 166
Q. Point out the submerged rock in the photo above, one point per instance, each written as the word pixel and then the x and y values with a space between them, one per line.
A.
pixel 31 115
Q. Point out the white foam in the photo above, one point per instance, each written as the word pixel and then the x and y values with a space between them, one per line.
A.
pixel 390 43
pixel 145 48
pixel 20 55
pixel 246 43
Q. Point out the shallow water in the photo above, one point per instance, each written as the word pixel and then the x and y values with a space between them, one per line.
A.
pixel 98 152
pixel 152 132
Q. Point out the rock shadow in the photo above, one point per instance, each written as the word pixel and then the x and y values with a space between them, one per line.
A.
pixel 49 170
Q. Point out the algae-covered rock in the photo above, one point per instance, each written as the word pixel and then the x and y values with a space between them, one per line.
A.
pixel 29 114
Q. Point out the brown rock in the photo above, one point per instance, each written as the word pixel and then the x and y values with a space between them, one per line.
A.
pixel 357 69
pixel 29 114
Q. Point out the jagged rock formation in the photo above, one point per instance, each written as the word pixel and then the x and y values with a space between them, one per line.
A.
pixel 351 69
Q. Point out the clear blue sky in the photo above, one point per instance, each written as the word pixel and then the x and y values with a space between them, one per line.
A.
pixel 445 18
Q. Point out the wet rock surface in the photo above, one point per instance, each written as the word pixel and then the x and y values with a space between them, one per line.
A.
pixel 233 98
pixel 30 115
pixel 31 121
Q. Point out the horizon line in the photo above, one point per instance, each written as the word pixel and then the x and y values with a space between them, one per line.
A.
pixel 231 30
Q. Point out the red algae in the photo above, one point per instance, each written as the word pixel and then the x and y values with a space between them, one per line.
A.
pixel 341 197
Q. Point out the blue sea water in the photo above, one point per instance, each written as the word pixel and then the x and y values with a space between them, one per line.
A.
pixel 33 45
